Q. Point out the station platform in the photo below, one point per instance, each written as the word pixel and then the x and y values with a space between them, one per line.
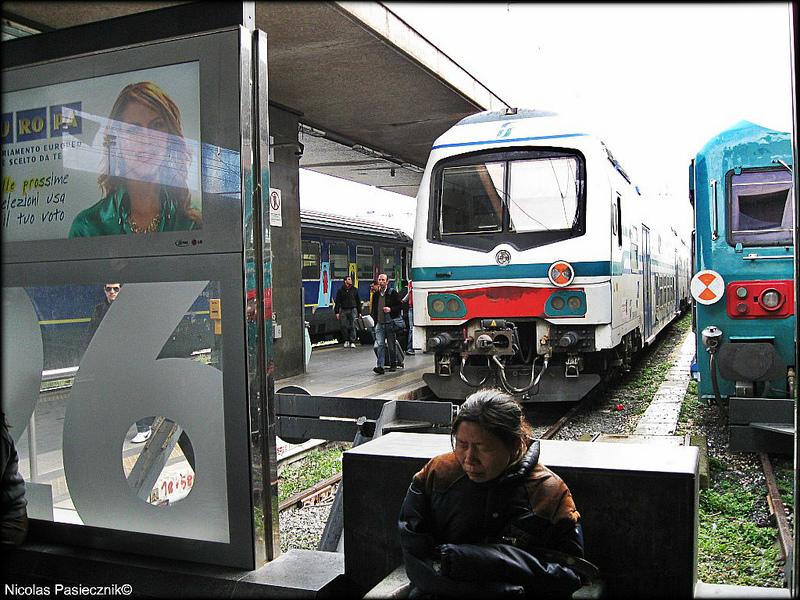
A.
pixel 337 371
pixel 347 372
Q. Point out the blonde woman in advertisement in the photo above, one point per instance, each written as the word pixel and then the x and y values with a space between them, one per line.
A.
pixel 146 167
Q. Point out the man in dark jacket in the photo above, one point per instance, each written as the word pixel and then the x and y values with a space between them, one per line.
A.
pixel 111 291
pixel 385 310
pixel 346 305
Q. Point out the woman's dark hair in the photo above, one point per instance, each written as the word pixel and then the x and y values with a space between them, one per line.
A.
pixel 499 414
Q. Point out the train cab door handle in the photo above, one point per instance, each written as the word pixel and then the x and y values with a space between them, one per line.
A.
pixel 444 274
pixel 714 233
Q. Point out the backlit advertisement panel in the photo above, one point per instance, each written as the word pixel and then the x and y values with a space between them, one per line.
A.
pixel 116 154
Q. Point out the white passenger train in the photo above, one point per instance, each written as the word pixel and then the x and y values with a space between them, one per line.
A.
pixel 537 265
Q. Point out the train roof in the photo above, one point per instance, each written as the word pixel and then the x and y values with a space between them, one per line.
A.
pixel 506 114
pixel 542 125
pixel 745 138
pixel 311 219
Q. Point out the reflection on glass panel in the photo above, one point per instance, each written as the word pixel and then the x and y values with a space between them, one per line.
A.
pixel 130 368
pixel 472 198
pixel 762 208
pixel 544 194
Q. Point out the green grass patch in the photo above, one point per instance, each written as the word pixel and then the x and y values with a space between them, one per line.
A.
pixel 734 550
pixel 784 477
pixel 683 324
pixel 690 409
pixel 317 465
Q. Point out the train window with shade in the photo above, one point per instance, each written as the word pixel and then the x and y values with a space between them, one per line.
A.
pixel 634 253
pixel 387 261
pixel 526 198
pixel 340 264
pixel 364 262
pixel 311 260
pixel 760 207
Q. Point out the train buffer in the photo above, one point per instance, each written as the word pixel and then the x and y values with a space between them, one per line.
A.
pixel 761 424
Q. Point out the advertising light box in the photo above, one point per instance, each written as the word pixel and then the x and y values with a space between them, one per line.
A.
pixel 132 152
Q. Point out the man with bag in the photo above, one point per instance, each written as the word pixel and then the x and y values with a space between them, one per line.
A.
pixel 385 310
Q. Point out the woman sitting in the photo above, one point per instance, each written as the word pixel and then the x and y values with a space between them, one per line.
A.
pixel 487 519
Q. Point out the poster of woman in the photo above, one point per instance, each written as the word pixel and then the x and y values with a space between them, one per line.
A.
pixel 144 179
pixel 116 154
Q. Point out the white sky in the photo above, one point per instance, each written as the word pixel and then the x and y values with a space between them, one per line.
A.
pixel 655 81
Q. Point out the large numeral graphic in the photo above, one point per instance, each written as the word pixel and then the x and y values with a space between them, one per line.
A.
pixel 120 381
pixel 23 357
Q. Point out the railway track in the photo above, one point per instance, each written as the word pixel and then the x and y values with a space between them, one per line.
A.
pixel 776 506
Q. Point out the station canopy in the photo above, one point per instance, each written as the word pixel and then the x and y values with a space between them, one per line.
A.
pixel 372 94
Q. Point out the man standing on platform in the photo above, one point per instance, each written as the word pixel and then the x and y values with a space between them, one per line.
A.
pixel 385 308
pixel 346 305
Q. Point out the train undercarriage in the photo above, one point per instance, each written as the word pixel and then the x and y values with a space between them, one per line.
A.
pixel 532 359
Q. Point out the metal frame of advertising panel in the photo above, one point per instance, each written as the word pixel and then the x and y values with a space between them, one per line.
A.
pixel 159 272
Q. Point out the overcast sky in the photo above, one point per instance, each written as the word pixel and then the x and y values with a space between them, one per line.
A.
pixel 655 81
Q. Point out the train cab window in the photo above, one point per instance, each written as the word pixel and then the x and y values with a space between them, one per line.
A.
pixel 523 197
pixel 543 194
pixel 387 261
pixel 472 198
pixel 340 263
pixel 310 260
pixel 618 217
pixel 761 207
pixel 364 261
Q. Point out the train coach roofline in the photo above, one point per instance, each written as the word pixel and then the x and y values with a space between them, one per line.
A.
pixel 311 219
pixel 505 115
pixel 732 136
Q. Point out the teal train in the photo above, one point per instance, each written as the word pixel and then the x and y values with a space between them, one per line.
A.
pixel 740 185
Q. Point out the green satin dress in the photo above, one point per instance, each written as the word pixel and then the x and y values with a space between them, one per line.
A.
pixel 110 217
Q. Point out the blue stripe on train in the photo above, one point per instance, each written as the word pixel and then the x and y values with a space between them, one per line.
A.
pixel 582 269
pixel 508 141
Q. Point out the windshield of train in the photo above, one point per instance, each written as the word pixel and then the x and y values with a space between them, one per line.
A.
pixel 761 208
pixel 472 198
pixel 521 196
pixel 543 194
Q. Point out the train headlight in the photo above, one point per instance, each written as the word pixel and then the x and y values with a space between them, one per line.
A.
pixel 561 273
pixel 771 299
pixel 741 292
pixel 446 306
pixel 566 303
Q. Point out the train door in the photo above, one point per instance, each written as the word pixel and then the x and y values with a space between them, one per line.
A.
pixel 676 284
pixel 647 284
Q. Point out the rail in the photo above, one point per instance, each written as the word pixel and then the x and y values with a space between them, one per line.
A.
pixel 776 506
